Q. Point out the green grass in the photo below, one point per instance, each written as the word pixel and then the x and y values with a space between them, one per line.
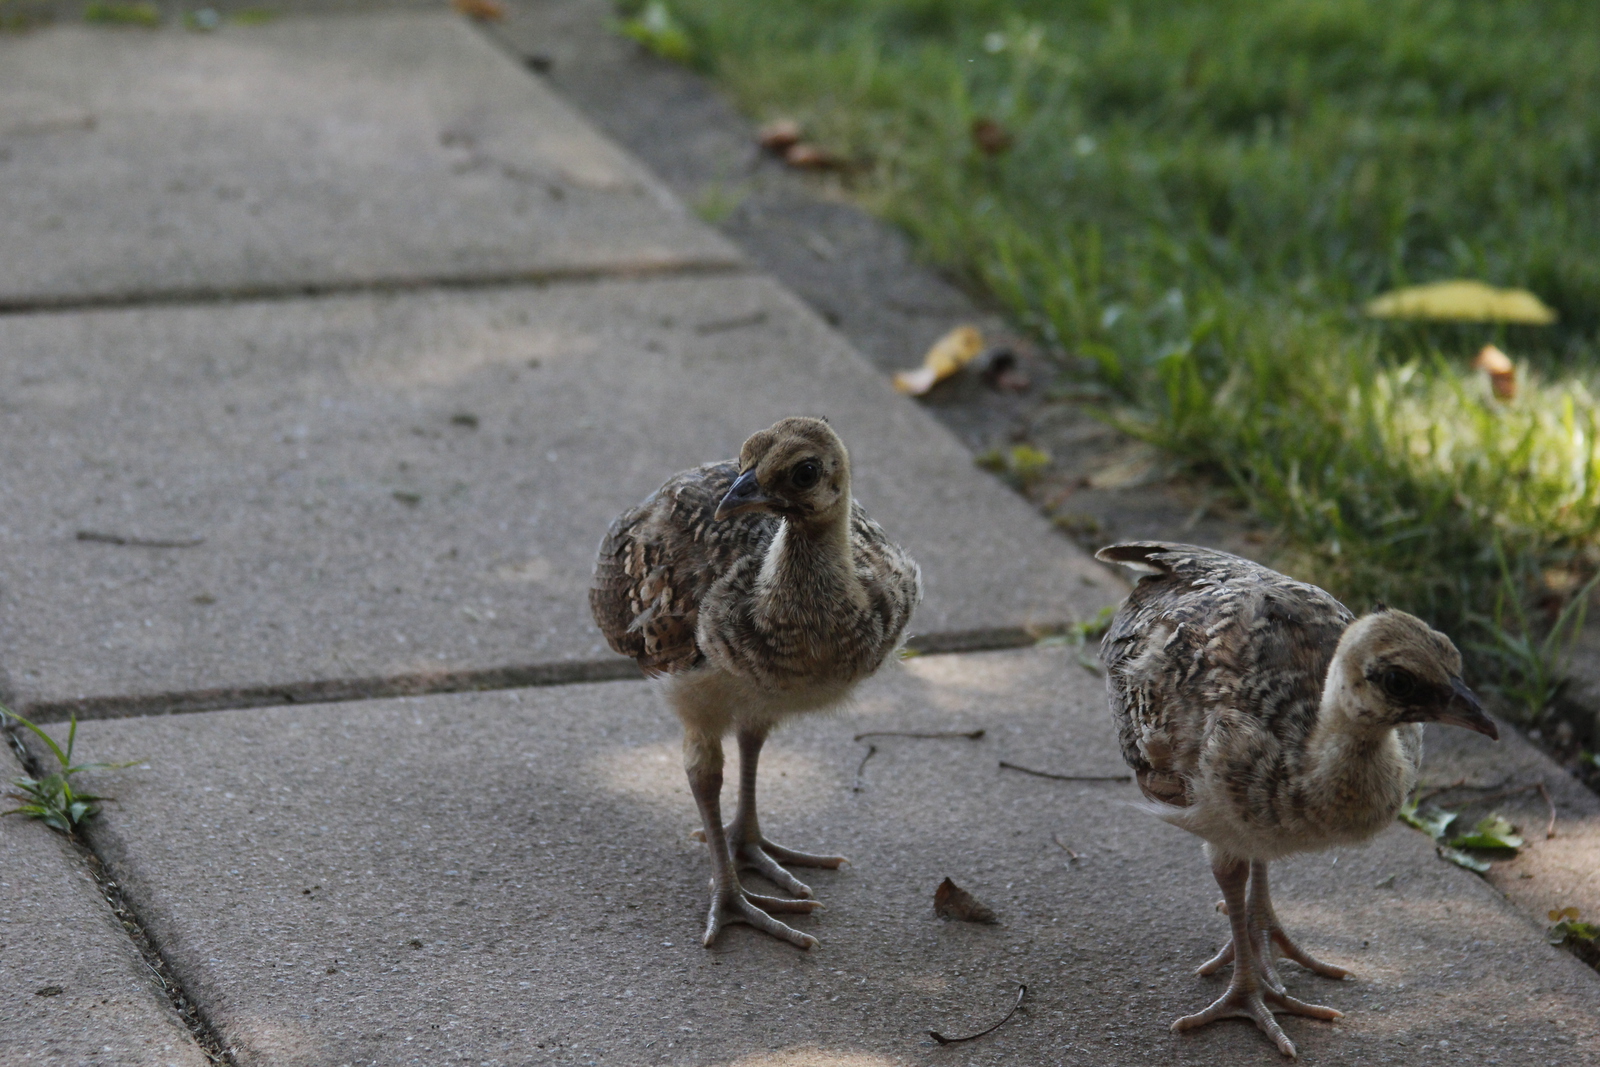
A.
pixel 1198 199
pixel 52 799
pixel 112 12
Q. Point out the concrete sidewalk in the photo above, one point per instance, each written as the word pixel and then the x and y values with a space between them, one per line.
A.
pixel 507 878
pixel 328 349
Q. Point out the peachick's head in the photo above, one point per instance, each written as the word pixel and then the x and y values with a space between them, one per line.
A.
pixel 1392 668
pixel 798 469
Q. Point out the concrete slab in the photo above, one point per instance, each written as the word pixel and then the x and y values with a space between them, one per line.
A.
pixel 506 878
pixel 409 486
pixel 1548 874
pixel 73 990
pixel 310 153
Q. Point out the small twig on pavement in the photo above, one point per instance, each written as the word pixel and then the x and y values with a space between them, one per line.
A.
pixel 1022 991
pixel 859 783
pixel 137 542
pixel 970 735
pixel 1071 855
pixel 1550 827
pixel 1067 777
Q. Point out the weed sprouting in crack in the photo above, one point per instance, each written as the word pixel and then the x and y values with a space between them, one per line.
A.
pixel 50 798
pixel 188 1012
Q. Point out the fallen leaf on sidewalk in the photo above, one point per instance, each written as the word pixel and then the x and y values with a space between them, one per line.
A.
pixel 950 901
pixel 804 155
pixel 1435 822
pixel 482 10
pixel 949 354
pixel 1461 859
pixel 779 135
pixel 1491 833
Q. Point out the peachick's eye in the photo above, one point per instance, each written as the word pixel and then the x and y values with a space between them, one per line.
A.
pixel 805 474
pixel 1399 684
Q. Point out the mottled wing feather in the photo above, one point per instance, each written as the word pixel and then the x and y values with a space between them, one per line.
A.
pixel 1216 658
pixel 892 579
pixel 659 559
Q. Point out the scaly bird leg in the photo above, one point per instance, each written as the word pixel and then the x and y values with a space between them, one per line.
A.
pixel 1269 936
pixel 730 903
pixel 749 848
pixel 1248 995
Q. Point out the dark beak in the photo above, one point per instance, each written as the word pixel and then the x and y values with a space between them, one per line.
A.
pixel 743 495
pixel 1464 711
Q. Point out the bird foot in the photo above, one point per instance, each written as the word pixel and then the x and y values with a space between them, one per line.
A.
pixel 734 905
pixel 1257 1005
pixel 1282 946
pixel 764 857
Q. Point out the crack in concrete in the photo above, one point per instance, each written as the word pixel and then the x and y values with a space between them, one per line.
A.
pixel 270 291
pixel 517 676
pixel 189 1013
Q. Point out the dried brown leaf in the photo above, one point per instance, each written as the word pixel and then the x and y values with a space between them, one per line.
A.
pixel 990 136
pixel 807 156
pixel 950 901
pixel 482 10
pixel 779 135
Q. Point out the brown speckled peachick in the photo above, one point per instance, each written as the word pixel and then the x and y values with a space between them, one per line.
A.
pixel 756 590
pixel 1259 714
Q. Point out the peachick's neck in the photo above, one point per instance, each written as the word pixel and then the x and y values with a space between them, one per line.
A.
pixel 810 559
pixel 1357 774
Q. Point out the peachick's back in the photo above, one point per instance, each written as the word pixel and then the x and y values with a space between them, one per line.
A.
pixel 1216 664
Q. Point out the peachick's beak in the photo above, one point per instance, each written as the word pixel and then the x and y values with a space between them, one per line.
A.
pixel 743 495
pixel 1465 711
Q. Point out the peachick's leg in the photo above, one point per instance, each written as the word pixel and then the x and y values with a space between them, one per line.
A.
pixel 1248 996
pixel 1269 932
pixel 1269 936
pixel 702 757
pixel 752 850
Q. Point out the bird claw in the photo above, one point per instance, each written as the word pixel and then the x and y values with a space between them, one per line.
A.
pixel 1294 952
pixel 1281 946
pixel 764 857
pixel 1258 1006
pixel 738 906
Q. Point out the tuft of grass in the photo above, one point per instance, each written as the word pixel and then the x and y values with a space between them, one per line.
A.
pixel 1021 465
pixel 1197 200
pixel 119 13
pixel 655 28
pixel 1532 669
pixel 51 799
pixel 718 201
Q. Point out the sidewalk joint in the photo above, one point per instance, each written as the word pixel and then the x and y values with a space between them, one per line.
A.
pixel 431 683
pixel 282 291
pixel 189 1013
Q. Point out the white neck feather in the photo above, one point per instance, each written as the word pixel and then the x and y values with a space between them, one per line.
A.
pixel 802 560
